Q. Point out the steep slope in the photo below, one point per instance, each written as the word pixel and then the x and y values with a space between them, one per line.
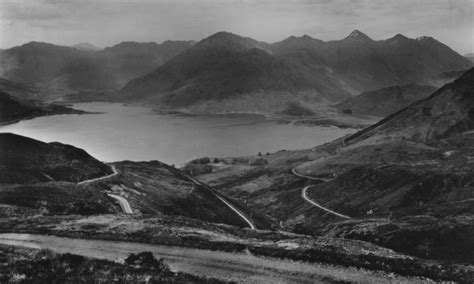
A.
pixel 218 67
pixel 306 57
pixel 25 160
pixel 449 111
pixel 385 101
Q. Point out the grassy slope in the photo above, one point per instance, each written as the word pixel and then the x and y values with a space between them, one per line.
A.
pixel 154 188
pixel 422 191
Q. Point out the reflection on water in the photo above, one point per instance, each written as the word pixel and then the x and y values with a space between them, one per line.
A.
pixel 135 133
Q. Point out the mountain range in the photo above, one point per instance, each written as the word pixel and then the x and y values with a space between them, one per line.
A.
pixel 63 69
pixel 226 70
pixel 226 65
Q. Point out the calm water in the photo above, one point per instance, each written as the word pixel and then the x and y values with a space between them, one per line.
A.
pixel 139 134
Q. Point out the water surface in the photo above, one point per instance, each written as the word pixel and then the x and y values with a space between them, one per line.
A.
pixel 139 134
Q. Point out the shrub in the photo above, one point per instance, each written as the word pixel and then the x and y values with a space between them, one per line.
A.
pixel 148 261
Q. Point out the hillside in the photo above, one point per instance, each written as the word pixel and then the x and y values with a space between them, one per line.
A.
pixel 43 178
pixel 13 109
pixel 17 90
pixel 227 67
pixel 26 160
pixel 405 183
pixel 385 101
pixel 449 111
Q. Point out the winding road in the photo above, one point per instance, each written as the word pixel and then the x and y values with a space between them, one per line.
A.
pixel 114 173
pixel 305 197
pixel 126 208
pixel 124 205
pixel 237 211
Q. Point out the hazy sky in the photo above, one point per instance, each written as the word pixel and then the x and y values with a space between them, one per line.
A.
pixel 107 22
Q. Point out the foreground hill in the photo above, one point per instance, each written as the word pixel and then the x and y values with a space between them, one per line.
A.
pixel 226 67
pixel 57 179
pixel 385 101
pixel 13 110
pixel 405 183
pixel 25 160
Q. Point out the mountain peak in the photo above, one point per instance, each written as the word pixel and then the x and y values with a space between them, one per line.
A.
pixel 425 38
pixel 230 41
pixel 223 35
pixel 86 46
pixel 397 38
pixel 356 34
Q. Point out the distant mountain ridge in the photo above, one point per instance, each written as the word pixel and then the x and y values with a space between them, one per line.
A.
pixel 67 69
pixel 224 66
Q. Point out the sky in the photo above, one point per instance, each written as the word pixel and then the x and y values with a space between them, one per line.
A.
pixel 108 22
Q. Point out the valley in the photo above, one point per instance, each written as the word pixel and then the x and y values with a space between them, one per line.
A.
pixel 173 148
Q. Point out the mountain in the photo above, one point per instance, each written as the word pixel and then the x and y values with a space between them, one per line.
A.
pixel 63 69
pixel 385 101
pixel 216 68
pixel 449 111
pixel 363 64
pixel 224 67
pixel 85 46
pixel 36 62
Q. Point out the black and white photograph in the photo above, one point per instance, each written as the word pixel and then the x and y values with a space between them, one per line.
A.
pixel 236 141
